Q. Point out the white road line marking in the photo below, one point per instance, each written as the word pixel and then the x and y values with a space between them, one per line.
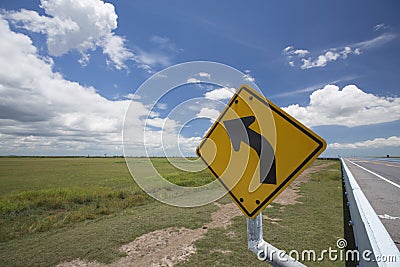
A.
pixel 377 175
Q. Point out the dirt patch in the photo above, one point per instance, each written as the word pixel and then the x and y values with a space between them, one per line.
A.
pixel 290 195
pixel 222 217
pixel 172 245
pixel 168 246
pixel 161 248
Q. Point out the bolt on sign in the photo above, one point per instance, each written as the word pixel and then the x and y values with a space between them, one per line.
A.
pixel 255 150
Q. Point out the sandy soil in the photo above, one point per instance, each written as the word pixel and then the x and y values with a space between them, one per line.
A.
pixel 169 246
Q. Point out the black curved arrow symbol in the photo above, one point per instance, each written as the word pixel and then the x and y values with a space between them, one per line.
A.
pixel 239 131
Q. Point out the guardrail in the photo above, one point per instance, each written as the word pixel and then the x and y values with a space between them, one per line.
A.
pixel 370 235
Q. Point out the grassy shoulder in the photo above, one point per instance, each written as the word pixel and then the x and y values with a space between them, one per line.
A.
pixel 315 223
pixel 99 240
pixel 39 194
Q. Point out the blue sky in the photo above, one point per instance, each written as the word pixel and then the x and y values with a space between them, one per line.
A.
pixel 69 69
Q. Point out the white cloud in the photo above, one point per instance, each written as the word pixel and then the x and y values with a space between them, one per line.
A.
pixel 393 141
pixel 321 59
pixel 147 59
pixel 380 26
pixel 314 87
pixel 329 56
pixel 162 106
pixel 41 112
pixel 301 52
pixel 85 26
pixel 114 48
pixel 189 144
pixel 204 75
pixel 160 75
pixel 290 51
pixel 133 96
pixel 220 94
pixel 166 138
pixel 193 80
pixel 199 77
pixel 348 107
pixel 156 122
pixel 163 55
pixel 208 113
pixel 376 42
pixel 286 50
pixel 249 78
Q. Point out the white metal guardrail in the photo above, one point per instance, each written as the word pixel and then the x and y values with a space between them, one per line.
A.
pixel 375 246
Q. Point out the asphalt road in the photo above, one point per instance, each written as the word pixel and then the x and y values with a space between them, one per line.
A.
pixel 379 179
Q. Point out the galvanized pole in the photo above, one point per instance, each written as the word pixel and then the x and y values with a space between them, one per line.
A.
pixel 264 250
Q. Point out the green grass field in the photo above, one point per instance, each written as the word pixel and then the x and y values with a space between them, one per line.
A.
pixel 39 194
pixel 60 209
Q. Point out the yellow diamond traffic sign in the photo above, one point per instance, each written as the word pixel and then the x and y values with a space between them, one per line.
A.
pixel 255 149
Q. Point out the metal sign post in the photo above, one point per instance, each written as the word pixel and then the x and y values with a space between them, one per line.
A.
pixel 263 249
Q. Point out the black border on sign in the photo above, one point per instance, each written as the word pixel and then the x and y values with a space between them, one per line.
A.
pixel 290 120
